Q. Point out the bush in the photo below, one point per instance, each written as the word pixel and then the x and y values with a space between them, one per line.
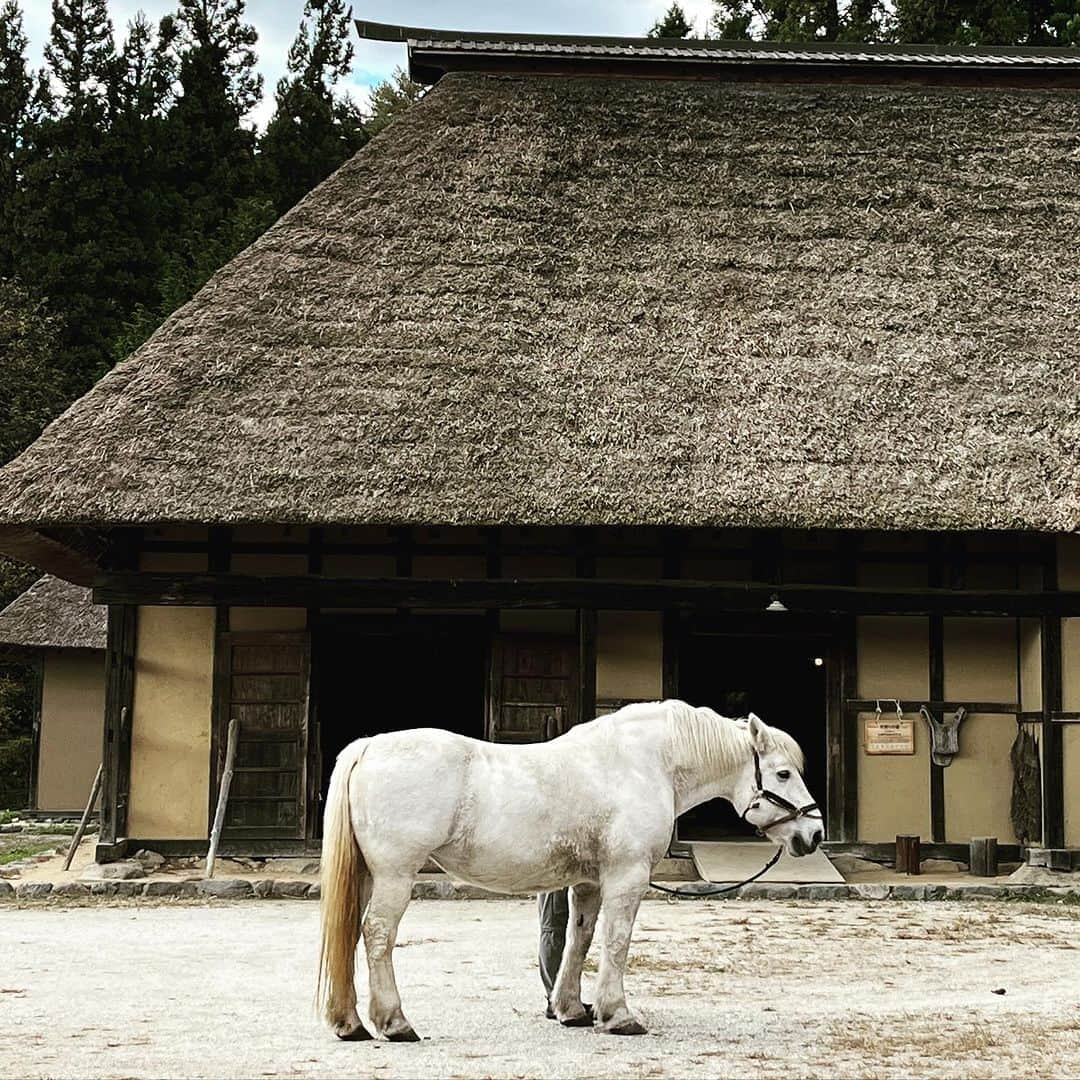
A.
pixel 15 771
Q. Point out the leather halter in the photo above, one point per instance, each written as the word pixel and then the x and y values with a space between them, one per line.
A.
pixel 762 792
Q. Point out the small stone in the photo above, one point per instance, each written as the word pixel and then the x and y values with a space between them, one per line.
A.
pixel 852 864
pixel 314 892
pixel 909 892
pixel 825 892
pixel 102 888
pixel 225 888
pixel 263 888
pixel 149 860
pixel 289 890
pixel 115 871
pixel 779 892
pixel 942 866
pixel 129 888
pixel 7 890
pixel 34 890
pixel 70 888
pixel 163 888
pixel 871 891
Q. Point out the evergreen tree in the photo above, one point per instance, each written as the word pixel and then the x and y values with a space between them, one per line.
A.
pixel 70 243
pixel 674 24
pixel 312 133
pixel 79 54
pixel 16 98
pixel 211 155
pixel 390 99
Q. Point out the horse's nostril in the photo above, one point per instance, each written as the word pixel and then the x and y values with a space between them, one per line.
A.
pixel 815 840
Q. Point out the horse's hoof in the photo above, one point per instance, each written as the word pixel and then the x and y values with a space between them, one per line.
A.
pixel 584 1020
pixel 627 1027
pixel 408 1035
pixel 549 1012
pixel 353 1034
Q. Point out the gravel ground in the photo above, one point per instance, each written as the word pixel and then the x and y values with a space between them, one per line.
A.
pixel 727 989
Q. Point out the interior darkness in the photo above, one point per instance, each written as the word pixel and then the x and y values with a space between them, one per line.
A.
pixel 367 683
pixel 773 677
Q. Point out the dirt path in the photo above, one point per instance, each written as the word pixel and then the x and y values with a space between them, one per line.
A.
pixel 765 989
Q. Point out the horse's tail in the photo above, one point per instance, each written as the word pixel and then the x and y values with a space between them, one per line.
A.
pixel 345 889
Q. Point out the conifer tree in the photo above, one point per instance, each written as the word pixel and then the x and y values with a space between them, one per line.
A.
pixel 16 98
pixel 674 24
pixel 312 132
pixel 390 99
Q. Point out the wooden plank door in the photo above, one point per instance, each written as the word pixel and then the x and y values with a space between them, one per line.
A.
pixel 534 687
pixel 263 683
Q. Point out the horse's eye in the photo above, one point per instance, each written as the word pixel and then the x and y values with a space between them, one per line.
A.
pixel 783 774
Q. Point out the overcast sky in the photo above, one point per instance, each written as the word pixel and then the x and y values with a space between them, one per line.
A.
pixel 277 20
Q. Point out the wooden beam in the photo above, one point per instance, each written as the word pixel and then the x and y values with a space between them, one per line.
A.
pixel 937 693
pixel 116 744
pixel 207 590
pixel 1052 740
pixel 49 553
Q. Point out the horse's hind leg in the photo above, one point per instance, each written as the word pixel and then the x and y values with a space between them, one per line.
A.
pixel 620 895
pixel 566 994
pixel 389 897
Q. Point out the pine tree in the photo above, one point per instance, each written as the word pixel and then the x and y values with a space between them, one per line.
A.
pixel 312 133
pixel 80 53
pixel 16 98
pixel 390 99
pixel 674 24
pixel 211 155
pixel 70 243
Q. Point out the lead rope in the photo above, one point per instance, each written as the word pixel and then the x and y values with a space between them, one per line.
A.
pixel 725 889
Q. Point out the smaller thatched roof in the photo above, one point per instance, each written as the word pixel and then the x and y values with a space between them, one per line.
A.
pixel 54 614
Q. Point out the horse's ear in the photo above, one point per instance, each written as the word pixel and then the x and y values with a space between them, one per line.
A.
pixel 759 733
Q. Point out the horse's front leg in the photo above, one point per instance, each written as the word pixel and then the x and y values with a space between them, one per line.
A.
pixel 621 893
pixel 390 896
pixel 566 993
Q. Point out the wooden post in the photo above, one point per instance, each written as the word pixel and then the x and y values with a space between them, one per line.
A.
pixel 983 856
pixel 223 796
pixel 907 855
pixel 77 838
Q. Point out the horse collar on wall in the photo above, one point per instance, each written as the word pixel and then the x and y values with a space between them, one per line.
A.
pixel 944 735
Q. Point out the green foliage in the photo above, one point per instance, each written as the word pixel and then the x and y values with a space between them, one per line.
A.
pixel 32 394
pixel 952 23
pixel 312 132
pixel 390 99
pixel 22 851
pixel 674 24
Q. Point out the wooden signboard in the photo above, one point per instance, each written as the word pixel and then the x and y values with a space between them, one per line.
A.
pixel 892 736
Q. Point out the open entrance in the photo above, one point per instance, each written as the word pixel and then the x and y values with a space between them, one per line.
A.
pixel 783 680
pixel 372 677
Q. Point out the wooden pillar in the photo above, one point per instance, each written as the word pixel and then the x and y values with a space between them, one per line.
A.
pixel 116 745
pixel 585 543
pixel 939 558
pixel 1053 772
pixel 38 668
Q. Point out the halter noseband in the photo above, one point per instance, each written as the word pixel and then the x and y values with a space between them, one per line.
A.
pixel 762 792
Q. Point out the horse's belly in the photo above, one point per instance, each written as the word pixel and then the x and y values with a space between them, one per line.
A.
pixel 503 872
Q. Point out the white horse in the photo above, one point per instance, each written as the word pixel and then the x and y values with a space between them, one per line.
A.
pixel 593 809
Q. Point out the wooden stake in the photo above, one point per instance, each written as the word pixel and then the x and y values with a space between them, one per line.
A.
pixel 984 857
pixel 77 838
pixel 223 796
pixel 907 855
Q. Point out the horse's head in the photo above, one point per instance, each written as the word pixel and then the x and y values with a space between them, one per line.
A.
pixel 771 794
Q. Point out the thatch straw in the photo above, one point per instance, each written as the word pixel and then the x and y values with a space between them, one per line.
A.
pixel 53 614
pixel 543 300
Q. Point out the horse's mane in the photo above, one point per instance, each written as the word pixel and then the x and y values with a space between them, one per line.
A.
pixel 699 735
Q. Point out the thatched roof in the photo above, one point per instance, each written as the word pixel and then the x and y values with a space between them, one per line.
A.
pixel 53 614
pixel 543 300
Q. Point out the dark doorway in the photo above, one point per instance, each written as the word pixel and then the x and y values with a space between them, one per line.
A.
pixel 424 672
pixel 783 680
